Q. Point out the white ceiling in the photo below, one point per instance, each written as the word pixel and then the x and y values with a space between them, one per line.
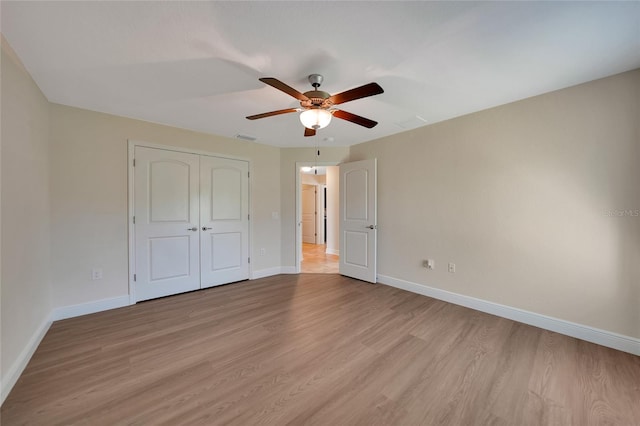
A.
pixel 196 65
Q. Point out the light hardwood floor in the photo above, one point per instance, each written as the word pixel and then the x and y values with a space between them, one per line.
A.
pixel 315 260
pixel 318 350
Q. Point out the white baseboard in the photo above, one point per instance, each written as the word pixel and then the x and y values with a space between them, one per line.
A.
pixel 288 270
pixel 332 251
pixel 262 273
pixel 14 372
pixel 579 331
pixel 65 312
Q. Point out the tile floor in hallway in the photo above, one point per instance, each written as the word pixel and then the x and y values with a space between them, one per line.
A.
pixel 315 260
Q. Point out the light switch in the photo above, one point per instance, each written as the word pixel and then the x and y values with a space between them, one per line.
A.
pixel 96 274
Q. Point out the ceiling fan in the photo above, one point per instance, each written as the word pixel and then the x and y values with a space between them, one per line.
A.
pixel 317 107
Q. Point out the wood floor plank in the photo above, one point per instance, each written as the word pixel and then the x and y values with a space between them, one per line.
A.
pixel 317 349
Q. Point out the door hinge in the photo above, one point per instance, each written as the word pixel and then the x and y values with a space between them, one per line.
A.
pixel 134 162
pixel 248 260
pixel 248 174
pixel 248 217
pixel 134 220
pixel 134 277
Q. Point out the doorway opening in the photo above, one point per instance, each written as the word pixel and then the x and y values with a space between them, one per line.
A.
pixel 318 237
pixel 315 260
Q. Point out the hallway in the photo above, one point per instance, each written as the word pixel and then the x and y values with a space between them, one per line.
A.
pixel 316 261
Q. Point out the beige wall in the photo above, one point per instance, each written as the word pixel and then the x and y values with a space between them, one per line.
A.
pixel 288 159
pixel 89 197
pixel 25 284
pixel 518 197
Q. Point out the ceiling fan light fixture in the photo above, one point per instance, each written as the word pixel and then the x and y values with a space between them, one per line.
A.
pixel 315 118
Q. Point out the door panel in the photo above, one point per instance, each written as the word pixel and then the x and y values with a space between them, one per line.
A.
pixel 169 257
pixel 355 249
pixel 169 191
pixel 166 196
pixel 356 182
pixel 226 251
pixel 224 203
pixel 226 194
pixel 358 221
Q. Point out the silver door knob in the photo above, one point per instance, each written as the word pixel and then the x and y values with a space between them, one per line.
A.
pixel 372 226
pixel 204 228
pixel 195 228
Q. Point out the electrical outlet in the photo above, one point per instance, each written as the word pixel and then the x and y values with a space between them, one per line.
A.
pixel 263 251
pixel 452 267
pixel 96 274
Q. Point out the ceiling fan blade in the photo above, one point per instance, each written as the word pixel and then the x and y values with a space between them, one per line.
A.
pixel 272 113
pixel 309 132
pixel 274 82
pixel 354 118
pixel 357 93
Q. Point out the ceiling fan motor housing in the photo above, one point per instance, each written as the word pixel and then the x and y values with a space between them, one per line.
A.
pixel 317 99
pixel 315 80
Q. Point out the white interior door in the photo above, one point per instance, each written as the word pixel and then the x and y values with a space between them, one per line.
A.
pixel 308 214
pixel 166 193
pixel 224 220
pixel 358 221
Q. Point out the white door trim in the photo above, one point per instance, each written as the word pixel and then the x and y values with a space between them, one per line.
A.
pixel 298 198
pixel 131 144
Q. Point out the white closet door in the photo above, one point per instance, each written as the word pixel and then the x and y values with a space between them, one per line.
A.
pixel 167 237
pixel 224 220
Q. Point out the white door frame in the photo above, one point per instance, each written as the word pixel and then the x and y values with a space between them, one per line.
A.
pixel 132 143
pixel 298 223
